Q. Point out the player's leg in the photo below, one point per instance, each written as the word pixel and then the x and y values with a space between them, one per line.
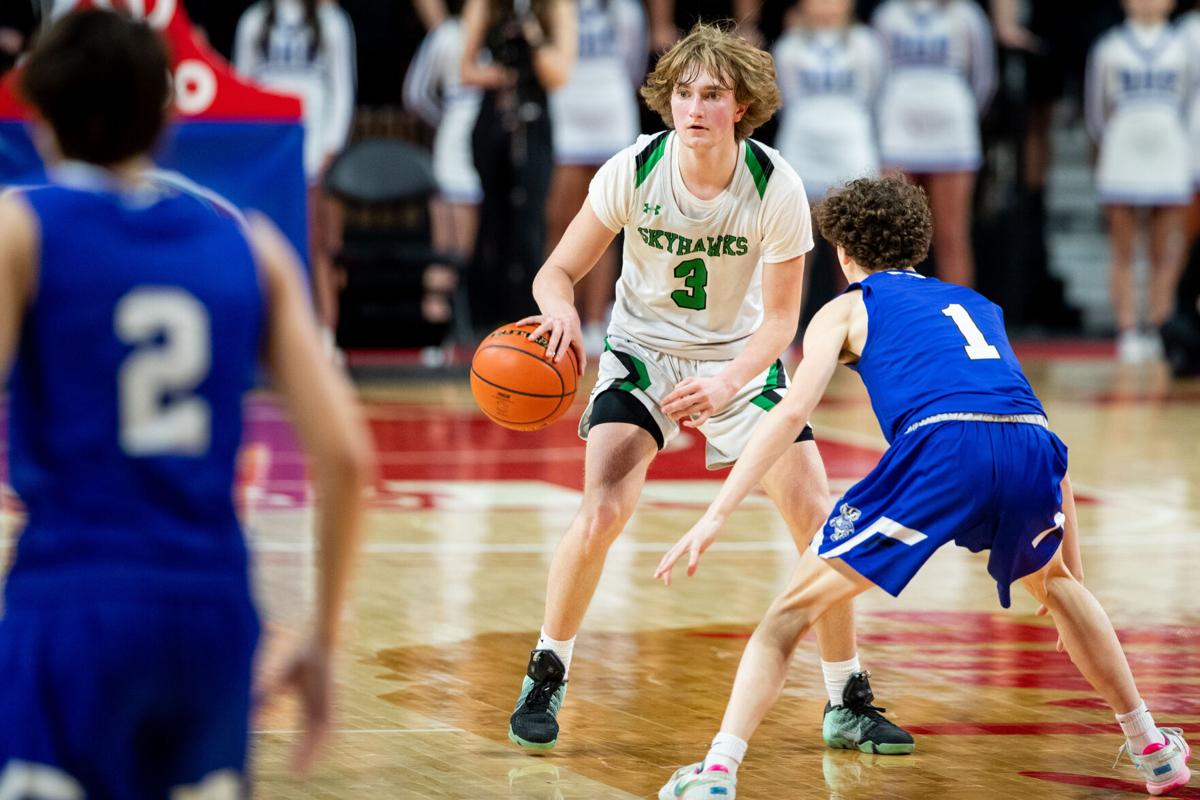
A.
pixel 1089 638
pixel 799 488
pixel 617 456
pixel 950 202
pixel 817 585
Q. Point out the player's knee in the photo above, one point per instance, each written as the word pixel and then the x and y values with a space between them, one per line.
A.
pixel 784 625
pixel 601 523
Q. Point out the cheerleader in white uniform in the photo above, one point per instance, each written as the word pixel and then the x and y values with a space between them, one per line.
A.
pixel 828 68
pixel 1138 81
pixel 594 116
pixel 433 90
pixel 306 48
pixel 939 76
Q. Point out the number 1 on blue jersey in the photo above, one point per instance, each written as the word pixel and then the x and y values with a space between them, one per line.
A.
pixel 977 347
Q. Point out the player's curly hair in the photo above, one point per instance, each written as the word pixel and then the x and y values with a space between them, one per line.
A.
pixel 739 65
pixel 882 223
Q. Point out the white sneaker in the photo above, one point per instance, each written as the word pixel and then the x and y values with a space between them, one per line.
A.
pixel 693 782
pixel 1129 346
pixel 1163 765
pixel 1152 346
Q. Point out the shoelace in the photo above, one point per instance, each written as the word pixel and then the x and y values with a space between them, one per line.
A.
pixel 1133 757
pixel 540 695
pixel 867 710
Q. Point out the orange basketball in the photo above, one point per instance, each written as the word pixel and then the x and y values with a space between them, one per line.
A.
pixel 516 385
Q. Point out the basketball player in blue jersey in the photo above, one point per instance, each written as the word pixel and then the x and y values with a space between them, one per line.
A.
pixel 134 311
pixel 971 461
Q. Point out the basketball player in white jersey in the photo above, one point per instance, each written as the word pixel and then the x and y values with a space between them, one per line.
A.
pixel 595 115
pixel 829 68
pixel 434 90
pixel 1139 80
pixel 716 227
pixel 940 75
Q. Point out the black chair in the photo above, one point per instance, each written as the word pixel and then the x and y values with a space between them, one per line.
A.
pixel 385 186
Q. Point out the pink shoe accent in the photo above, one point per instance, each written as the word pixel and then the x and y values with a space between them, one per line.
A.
pixel 718 768
pixel 1181 780
pixel 1154 748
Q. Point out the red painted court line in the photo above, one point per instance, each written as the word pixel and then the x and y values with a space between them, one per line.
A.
pixel 1112 784
pixel 1028 728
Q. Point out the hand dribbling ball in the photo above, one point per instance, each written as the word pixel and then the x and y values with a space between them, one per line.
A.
pixel 516 385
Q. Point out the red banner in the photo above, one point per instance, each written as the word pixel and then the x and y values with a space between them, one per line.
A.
pixel 206 87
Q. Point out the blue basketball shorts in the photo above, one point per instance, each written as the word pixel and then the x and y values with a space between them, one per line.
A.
pixel 992 486
pixel 126 700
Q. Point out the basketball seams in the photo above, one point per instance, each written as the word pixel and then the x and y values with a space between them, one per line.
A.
pixel 517 391
pixel 511 368
pixel 561 386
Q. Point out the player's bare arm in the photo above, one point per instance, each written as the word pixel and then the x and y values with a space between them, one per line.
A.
pixel 17 259
pixel 824 343
pixel 696 399
pixel 332 431
pixel 581 246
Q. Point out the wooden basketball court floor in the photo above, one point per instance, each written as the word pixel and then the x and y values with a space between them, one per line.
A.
pixel 448 602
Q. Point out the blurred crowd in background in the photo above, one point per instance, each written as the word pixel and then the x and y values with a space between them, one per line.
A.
pixel 510 106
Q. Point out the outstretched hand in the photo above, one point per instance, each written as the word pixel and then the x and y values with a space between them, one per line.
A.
pixel 693 543
pixel 309 675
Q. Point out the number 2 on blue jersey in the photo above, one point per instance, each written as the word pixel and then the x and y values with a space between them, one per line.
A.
pixel 977 347
pixel 159 414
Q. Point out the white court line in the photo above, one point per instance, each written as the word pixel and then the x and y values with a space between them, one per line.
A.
pixel 283 732
pixel 513 547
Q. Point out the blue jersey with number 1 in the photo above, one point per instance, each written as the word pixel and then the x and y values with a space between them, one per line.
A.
pixel 936 348
pixel 142 335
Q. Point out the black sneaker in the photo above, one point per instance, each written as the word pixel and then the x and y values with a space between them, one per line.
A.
pixel 534 723
pixel 858 725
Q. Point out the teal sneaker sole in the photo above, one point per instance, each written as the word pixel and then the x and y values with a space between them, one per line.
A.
pixel 530 745
pixel 871 747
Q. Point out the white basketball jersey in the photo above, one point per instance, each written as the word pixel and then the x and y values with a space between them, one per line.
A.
pixel 691 283
pixel 828 80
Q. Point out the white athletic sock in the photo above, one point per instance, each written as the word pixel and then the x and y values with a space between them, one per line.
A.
pixel 1139 728
pixel 726 751
pixel 836 674
pixel 561 649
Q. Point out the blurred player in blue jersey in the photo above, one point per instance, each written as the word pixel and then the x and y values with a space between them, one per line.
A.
pixel 135 309
pixel 971 461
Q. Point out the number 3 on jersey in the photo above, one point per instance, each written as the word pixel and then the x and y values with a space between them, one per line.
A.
pixel 169 331
pixel 977 347
pixel 695 278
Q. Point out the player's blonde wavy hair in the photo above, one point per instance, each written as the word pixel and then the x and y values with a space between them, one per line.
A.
pixel 739 65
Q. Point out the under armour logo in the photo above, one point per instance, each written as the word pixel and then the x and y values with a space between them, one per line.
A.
pixel 649 209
